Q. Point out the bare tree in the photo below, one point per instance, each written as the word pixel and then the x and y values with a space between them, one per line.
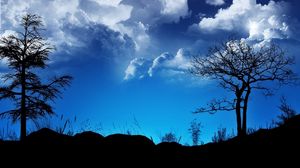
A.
pixel 24 53
pixel 241 68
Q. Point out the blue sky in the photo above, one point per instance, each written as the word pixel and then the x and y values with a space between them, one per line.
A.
pixel 129 58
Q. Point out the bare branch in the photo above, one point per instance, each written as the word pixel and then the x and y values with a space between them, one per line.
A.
pixel 217 105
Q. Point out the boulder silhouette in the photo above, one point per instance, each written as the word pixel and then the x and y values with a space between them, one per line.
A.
pixel 128 140
pixel 88 138
pixel 47 136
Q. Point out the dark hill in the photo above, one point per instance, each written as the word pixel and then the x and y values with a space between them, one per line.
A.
pixel 279 144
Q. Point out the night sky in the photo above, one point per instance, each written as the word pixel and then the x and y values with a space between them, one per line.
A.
pixel 130 59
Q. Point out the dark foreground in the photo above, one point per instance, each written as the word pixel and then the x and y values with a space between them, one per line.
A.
pixel 279 145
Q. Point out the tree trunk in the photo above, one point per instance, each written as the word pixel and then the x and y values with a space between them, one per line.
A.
pixel 23 88
pixel 23 106
pixel 238 116
pixel 244 127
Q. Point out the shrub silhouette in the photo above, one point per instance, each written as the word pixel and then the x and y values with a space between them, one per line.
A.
pixel 170 137
pixel 220 136
pixel 195 130
pixel 287 111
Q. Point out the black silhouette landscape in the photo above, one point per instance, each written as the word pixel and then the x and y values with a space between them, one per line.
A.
pixel 260 58
pixel 263 145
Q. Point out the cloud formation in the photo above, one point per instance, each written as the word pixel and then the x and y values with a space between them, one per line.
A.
pixel 171 64
pixel 105 43
pixel 79 13
pixel 158 11
pixel 215 2
pixel 127 17
pixel 136 68
pixel 175 9
pixel 165 64
pixel 261 22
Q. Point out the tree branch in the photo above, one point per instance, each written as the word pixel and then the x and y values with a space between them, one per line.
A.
pixel 217 105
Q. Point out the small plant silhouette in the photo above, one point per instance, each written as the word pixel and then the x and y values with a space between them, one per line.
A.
pixel 170 137
pixel 220 135
pixel 195 130
pixel 287 111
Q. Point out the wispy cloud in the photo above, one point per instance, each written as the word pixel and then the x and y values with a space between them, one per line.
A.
pixel 215 2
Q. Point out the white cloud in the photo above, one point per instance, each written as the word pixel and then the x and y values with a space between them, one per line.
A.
pixel 3 63
pixel 215 2
pixel 131 69
pixel 261 22
pixel 136 68
pixel 175 9
pixel 181 60
pixel 125 16
pixel 90 25
pixel 158 61
pixel 158 11
pixel 178 63
pixel 104 12
pixel 138 32
pixel 59 13
pixel 165 64
pixel 7 33
pixel 12 11
pixel 173 69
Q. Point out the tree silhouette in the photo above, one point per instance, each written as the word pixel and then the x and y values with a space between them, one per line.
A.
pixel 241 68
pixel 25 53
